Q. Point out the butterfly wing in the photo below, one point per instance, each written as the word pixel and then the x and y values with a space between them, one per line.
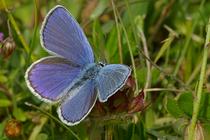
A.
pixel 75 109
pixel 61 35
pixel 50 78
pixel 110 79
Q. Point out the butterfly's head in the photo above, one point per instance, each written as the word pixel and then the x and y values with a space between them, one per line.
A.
pixel 101 64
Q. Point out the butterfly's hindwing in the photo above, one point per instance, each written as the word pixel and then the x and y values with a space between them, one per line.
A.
pixel 110 79
pixel 74 109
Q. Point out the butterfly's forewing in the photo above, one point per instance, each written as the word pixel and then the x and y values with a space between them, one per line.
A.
pixel 110 79
pixel 49 78
pixel 62 35
pixel 75 109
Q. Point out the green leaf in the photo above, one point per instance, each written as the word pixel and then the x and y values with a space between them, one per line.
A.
pixel 19 114
pixel 206 128
pixel 155 76
pixel 179 125
pixel 2 135
pixel 99 9
pixel 165 46
pixel 111 47
pixel 42 136
pixel 108 26
pixel 140 130
pixel 141 75
pixel 98 40
pixel 5 102
pixel 135 137
pixel 173 108
pixel 185 103
pixel 1 129
pixel 150 118
pixel 205 106
pixel 3 78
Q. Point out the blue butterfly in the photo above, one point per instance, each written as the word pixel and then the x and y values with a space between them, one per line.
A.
pixel 70 77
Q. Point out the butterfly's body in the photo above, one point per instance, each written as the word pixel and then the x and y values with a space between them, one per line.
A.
pixel 89 72
pixel 70 76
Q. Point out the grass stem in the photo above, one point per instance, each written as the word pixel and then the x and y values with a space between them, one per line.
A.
pixel 131 53
pixel 197 99
pixel 118 32
pixel 188 39
pixel 53 118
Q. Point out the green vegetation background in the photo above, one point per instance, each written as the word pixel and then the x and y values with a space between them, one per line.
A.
pixel 163 42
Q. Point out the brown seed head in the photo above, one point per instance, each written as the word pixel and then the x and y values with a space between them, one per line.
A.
pixel 12 128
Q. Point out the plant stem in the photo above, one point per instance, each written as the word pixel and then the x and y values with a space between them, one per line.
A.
pixel 164 89
pixel 37 129
pixel 53 118
pixel 131 19
pixel 118 32
pixel 198 96
pixel 188 39
pixel 130 51
pixel 149 74
pixel 108 133
pixel 14 24
pixel 195 72
pixel 32 42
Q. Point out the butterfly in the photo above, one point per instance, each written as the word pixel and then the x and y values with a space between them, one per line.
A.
pixel 70 77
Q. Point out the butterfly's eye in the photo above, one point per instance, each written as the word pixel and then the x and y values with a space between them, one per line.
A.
pixel 101 64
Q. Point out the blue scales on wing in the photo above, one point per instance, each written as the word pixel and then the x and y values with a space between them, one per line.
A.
pixel 110 79
pixel 74 109
pixel 62 35
pixel 49 78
